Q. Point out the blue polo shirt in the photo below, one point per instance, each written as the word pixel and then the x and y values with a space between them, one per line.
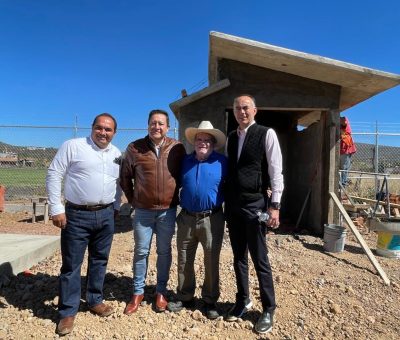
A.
pixel 202 182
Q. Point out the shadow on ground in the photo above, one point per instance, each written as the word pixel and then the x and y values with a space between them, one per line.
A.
pixel 38 293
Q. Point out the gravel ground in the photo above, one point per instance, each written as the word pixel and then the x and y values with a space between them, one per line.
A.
pixel 320 295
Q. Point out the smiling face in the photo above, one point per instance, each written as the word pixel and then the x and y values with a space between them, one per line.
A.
pixel 244 110
pixel 203 145
pixel 158 127
pixel 103 131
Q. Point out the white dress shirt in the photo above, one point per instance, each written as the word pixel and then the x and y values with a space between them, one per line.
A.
pixel 274 160
pixel 90 175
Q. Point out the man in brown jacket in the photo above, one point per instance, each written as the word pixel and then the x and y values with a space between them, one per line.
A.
pixel 150 172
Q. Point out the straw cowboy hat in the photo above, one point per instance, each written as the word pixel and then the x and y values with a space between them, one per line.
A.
pixel 206 127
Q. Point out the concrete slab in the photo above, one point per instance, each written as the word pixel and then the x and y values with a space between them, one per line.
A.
pixel 18 207
pixel 20 252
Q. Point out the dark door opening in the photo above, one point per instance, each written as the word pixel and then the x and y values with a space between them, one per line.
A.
pixel 281 121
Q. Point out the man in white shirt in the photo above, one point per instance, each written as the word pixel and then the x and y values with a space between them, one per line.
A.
pixel 89 168
pixel 254 164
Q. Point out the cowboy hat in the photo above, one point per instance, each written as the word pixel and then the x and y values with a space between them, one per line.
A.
pixel 206 127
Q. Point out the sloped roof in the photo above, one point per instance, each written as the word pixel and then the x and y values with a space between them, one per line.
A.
pixel 358 83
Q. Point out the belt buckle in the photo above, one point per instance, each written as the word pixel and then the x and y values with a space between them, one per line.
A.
pixel 205 213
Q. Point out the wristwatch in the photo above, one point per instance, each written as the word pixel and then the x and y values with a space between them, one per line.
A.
pixel 275 205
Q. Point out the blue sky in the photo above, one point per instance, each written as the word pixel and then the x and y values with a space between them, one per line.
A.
pixel 65 59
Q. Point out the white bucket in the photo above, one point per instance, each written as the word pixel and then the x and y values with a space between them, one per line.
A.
pixel 334 238
pixel 388 245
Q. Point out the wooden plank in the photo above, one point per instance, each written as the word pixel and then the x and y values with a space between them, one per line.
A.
pixel 360 239
pixel 303 207
pixel 34 212
pixel 355 207
pixel 344 191
pixel 46 212
pixel 368 200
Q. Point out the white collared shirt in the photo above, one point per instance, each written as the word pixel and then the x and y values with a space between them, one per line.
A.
pixel 274 160
pixel 90 175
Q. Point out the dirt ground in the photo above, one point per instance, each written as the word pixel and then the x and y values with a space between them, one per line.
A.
pixel 320 295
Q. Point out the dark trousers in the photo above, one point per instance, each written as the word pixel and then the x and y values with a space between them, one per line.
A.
pixel 248 235
pixel 92 230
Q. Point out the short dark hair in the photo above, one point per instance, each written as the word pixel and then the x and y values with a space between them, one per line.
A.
pixel 105 114
pixel 246 95
pixel 158 111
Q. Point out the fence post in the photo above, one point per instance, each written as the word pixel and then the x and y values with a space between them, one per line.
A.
pixel 376 157
pixel 76 127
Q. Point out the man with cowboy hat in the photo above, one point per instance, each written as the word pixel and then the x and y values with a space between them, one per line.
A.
pixel 201 219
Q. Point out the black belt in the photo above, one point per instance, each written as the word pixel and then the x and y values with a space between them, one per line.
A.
pixel 87 207
pixel 202 214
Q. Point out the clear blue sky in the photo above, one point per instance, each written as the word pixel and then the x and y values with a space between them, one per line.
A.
pixel 62 59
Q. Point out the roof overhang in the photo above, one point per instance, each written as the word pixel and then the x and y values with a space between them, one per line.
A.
pixel 358 83
pixel 176 105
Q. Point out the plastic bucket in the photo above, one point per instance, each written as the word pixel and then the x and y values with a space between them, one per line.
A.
pixel 388 245
pixel 2 194
pixel 334 238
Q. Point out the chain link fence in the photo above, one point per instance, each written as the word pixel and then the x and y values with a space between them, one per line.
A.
pixel 23 168
pixel 377 158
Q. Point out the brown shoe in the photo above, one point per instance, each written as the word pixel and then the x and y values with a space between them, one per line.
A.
pixel 161 303
pixel 102 310
pixel 66 325
pixel 133 305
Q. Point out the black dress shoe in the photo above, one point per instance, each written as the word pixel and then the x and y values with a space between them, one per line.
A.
pixel 264 323
pixel 211 311
pixel 177 306
pixel 238 310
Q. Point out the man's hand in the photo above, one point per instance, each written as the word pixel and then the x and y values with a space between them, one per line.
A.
pixel 60 220
pixel 273 221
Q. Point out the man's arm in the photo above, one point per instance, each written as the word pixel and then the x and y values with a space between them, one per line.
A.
pixel 274 159
pixel 54 178
pixel 126 175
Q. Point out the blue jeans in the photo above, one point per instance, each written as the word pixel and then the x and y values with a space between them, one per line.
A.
pixel 147 222
pixel 345 164
pixel 85 229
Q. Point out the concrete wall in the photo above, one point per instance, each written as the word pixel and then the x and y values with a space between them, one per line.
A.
pixel 278 89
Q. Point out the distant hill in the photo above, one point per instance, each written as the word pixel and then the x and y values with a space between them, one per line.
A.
pixel 40 156
pixel 388 156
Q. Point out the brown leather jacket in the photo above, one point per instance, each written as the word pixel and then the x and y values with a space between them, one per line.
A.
pixel 148 181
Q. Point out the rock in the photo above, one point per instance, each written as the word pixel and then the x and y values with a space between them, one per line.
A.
pixel 371 319
pixel 335 309
pixel 197 315
pixel 220 324
pixel 55 301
